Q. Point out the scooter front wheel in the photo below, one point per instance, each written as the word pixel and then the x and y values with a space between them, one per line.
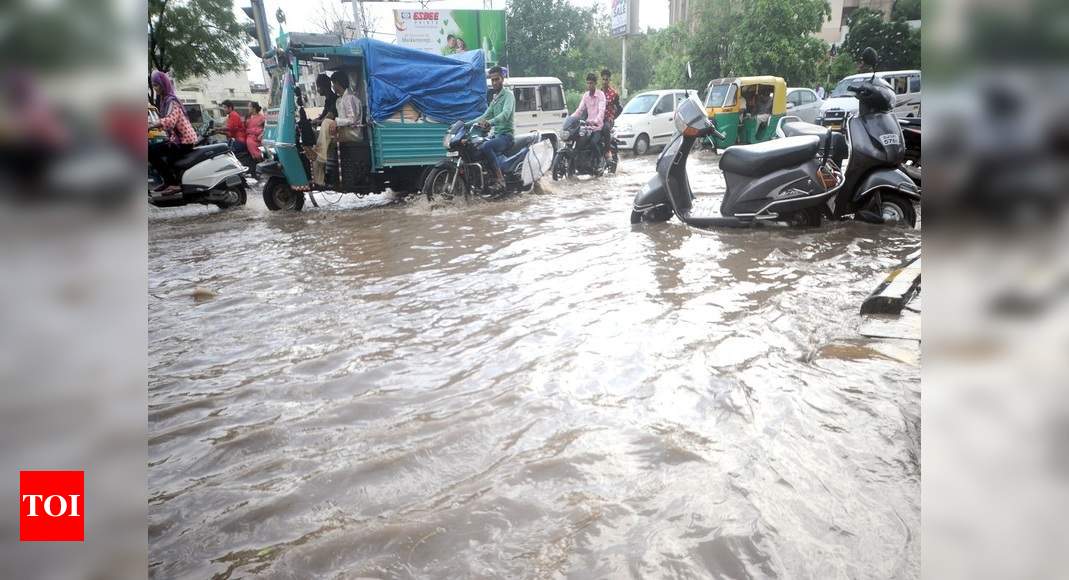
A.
pixel 659 214
pixel 897 209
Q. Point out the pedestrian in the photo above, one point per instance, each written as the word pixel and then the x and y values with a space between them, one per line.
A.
pixel 820 92
pixel 180 134
pixel 254 131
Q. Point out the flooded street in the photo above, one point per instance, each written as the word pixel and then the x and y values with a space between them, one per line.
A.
pixel 530 388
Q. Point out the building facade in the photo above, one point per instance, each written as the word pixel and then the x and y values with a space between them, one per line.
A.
pixel 834 30
pixel 209 92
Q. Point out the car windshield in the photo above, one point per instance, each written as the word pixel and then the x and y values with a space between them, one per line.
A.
pixel 840 89
pixel 640 105
pixel 716 96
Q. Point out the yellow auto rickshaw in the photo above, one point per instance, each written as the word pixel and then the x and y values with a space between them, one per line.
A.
pixel 746 109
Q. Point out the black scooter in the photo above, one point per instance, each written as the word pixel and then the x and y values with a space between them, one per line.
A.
pixel 876 188
pixel 788 180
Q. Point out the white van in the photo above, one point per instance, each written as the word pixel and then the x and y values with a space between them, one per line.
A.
pixel 907 86
pixel 646 120
pixel 540 105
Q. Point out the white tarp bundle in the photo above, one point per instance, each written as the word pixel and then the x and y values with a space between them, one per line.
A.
pixel 539 160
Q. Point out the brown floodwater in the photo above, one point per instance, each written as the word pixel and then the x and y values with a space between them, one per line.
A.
pixel 530 388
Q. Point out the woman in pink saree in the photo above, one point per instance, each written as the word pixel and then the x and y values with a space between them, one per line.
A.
pixel 254 131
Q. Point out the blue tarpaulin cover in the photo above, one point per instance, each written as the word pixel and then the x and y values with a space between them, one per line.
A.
pixel 444 88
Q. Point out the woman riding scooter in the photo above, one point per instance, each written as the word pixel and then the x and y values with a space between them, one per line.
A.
pixel 180 134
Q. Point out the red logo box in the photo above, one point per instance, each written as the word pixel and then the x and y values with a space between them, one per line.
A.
pixel 51 506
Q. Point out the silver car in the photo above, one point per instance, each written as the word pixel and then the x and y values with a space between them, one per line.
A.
pixel 803 103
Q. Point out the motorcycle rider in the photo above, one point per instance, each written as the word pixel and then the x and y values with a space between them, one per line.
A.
pixel 235 128
pixel 593 104
pixel 498 116
pixel 612 108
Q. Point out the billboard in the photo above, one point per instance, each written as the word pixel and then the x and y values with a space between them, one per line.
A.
pixel 623 17
pixel 449 31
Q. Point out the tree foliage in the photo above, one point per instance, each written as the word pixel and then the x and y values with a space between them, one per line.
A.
pixel 548 37
pixel 188 38
pixel 898 45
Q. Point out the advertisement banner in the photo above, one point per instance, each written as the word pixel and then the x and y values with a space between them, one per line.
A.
pixel 451 31
pixel 620 21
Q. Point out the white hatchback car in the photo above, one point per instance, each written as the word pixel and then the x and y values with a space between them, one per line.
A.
pixel 804 104
pixel 646 120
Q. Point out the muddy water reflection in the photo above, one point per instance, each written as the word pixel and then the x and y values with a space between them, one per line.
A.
pixel 529 388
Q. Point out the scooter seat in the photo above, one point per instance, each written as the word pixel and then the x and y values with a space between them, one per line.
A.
pixel 801 128
pixel 200 154
pixel 522 141
pixel 764 158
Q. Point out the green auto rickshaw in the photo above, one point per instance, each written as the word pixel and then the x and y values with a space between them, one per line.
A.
pixel 746 109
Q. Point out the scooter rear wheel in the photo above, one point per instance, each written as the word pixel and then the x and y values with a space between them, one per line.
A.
pixel 897 209
pixel 810 217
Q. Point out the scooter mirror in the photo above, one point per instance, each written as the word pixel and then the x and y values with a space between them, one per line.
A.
pixel 689 114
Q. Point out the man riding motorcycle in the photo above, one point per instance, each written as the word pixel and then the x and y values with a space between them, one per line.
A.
pixel 499 117
pixel 593 104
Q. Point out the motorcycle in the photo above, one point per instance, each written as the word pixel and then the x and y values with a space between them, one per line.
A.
pixel 210 174
pixel 788 180
pixel 876 188
pixel 462 172
pixel 578 156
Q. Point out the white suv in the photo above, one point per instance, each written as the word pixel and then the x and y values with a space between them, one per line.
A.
pixel 540 106
pixel 646 120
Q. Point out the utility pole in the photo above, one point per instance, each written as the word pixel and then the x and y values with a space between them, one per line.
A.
pixel 623 68
pixel 358 17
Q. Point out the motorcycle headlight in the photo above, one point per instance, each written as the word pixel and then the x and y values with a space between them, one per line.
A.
pixel 566 134
pixel 445 140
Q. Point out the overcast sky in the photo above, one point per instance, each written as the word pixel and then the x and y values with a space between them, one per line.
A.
pixel 302 15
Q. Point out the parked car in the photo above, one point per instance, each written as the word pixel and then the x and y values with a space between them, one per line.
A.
pixel 804 104
pixel 540 106
pixel 841 102
pixel 646 120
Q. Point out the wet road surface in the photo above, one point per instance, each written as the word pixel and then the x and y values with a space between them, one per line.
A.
pixel 530 388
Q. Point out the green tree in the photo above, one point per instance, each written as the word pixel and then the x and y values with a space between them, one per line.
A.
pixel 188 38
pixel 670 65
pixel 898 45
pixel 906 10
pixel 760 37
pixel 548 37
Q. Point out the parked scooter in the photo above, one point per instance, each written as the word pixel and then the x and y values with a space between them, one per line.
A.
pixel 876 188
pixel 210 174
pixel 788 180
pixel 462 174
pixel 578 156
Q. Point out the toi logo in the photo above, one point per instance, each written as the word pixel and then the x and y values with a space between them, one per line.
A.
pixel 51 506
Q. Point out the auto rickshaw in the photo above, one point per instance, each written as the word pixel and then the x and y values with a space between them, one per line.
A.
pixel 746 109
pixel 410 97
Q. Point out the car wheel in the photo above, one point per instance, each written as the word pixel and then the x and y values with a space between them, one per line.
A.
pixel 642 145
